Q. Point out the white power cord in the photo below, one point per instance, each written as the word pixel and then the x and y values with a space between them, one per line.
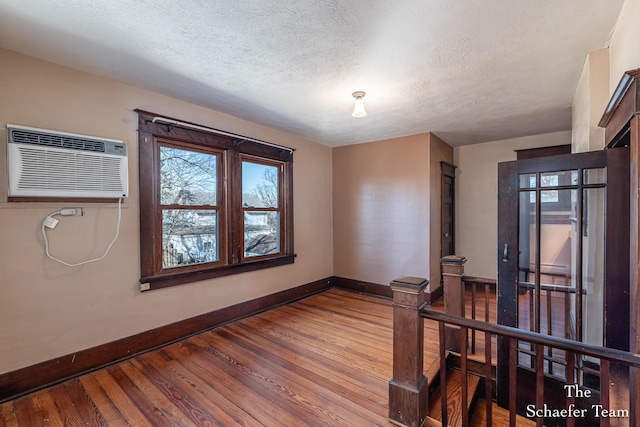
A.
pixel 51 222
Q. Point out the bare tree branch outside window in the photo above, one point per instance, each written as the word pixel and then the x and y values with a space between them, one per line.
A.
pixel 188 178
pixel 261 186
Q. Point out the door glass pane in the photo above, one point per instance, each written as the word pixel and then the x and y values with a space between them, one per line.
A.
pixel 557 263
pixel 549 196
pixel 558 249
pixel 187 177
pixel 261 233
pixel 549 180
pixel 595 176
pixel 526 259
pixel 560 178
pixel 593 244
pixel 527 262
pixel 527 180
pixel 189 237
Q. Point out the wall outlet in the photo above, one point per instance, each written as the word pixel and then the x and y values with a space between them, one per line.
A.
pixel 71 212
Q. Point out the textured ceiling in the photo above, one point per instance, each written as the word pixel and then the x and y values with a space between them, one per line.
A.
pixel 467 70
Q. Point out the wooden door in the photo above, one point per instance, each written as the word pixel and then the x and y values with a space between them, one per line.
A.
pixel 563 260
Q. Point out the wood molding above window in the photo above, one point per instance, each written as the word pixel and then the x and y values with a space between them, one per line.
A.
pixel 211 204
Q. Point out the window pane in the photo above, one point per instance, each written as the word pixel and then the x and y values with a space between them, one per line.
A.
pixel 189 237
pixel 259 185
pixel 261 233
pixel 187 177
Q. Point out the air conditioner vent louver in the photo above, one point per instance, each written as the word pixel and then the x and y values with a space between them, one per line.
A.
pixel 50 140
pixel 55 164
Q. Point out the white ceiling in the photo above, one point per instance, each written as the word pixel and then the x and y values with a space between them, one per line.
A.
pixel 467 70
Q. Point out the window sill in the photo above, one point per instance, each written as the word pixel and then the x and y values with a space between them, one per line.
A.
pixel 181 277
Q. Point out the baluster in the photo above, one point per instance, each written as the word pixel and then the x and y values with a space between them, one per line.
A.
pixel 463 368
pixel 549 329
pixel 487 294
pixel 570 379
pixel 488 378
pixel 513 365
pixel 443 373
pixel 605 384
pixel 567 316
pixel 473 316
pixel 539 381
pixel 532 323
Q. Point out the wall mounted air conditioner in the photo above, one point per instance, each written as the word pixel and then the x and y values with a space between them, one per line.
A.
pixel 44 163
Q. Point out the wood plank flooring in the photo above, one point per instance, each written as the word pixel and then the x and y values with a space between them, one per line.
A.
pixel 322 361
pixel 454 406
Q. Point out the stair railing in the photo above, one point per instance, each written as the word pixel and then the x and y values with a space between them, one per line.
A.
pixel 606 356
pixel 488 287
pixel 408 389
pixel 455 286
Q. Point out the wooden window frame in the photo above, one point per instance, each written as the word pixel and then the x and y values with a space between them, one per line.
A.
pixel 220 207
pixel 279 208
pixel 232 151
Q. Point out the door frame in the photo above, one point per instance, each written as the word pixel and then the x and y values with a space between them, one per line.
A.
pixel 449 171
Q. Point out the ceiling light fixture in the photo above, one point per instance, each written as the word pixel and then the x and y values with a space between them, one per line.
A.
pixel 358 108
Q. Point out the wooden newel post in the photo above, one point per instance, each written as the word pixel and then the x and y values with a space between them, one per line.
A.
pixel 453 288
pixel 408 400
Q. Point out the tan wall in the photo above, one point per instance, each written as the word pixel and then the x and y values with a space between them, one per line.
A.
pixel 477 199
pixel 589 102
pixel 625 54
pixel 381 209
pixel 48 310
pixel 600 76
pixel 440 152
pixel 555 247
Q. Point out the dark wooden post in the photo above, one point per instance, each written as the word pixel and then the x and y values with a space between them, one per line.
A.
pixel 453 288
pixel 408 399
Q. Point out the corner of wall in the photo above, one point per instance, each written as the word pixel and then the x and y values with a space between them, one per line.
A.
pixel 589 102
pixel 624 54
pixel 579 111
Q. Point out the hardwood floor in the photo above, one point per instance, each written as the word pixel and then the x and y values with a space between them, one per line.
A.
pixel 323 360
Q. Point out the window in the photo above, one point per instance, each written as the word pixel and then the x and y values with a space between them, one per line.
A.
pixel 260 207
pixel 210 205
pixel 190 206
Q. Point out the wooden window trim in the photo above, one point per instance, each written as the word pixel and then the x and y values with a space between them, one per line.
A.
pixel 233 150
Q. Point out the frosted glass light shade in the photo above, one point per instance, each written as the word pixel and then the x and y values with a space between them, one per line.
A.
pixel 358 108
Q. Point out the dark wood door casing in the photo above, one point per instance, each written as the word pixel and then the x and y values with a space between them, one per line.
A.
pixel 621 122
pixel 447 208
